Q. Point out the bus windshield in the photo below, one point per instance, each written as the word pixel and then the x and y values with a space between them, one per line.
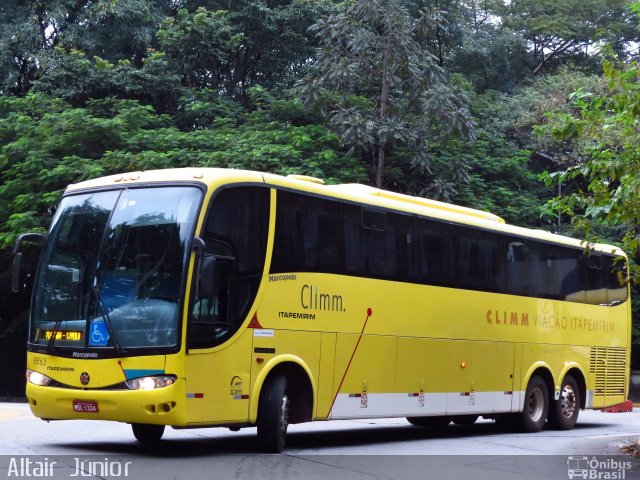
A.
pixel 112 272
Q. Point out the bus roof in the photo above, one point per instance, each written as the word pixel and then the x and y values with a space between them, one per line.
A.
pixel 357 193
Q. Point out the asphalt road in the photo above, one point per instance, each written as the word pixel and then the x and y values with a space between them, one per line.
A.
pixel 360 449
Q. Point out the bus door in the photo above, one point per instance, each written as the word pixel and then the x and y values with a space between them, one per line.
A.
pixel 217 371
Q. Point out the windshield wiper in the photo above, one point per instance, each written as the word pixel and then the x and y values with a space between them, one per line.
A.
pixel 107 319
pixel 65 310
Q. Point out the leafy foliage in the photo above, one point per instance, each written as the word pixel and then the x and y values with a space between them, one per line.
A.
pixel 569 29
pixel 45 145
pixel 380 87
pixel 604 131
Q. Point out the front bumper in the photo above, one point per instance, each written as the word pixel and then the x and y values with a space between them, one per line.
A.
pixel 164 406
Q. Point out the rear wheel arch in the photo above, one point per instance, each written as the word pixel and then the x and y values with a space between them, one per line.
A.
pixel 580 379
pixel 543 370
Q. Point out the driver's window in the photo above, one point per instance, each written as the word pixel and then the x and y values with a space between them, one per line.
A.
pixel 235 237
pixel 211 308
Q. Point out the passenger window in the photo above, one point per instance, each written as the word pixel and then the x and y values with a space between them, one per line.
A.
pixel 372 243
pixel 430 252
pixel 526 268
pixel 481 262
pixel 567 273
pixel 615 275
pixel 308 235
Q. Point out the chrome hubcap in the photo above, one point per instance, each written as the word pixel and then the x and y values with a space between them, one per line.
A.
pixel 536 404
pixel 567 401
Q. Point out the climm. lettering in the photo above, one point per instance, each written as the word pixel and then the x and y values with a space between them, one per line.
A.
pixel 508 318
pixel 311 298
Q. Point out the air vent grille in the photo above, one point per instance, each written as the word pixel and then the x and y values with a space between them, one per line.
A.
pixel 610 368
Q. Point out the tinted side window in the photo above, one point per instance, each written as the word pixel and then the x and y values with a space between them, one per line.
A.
pixel 308 235
pixel 526 268
pixel 615 274
pixel 481 261
pixel 567 273
pixel 430 255
pixel 372 243
pixel 238 225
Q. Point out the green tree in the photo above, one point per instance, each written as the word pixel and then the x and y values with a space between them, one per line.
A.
pixel 237 45
pixel 46 144
pixel 570 29
pixel 491 55
pixel 604 133
pixel 31 29
pixel 382 90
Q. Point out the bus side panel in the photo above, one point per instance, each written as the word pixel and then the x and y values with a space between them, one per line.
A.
pixel 218 383
pixel 481 377
pixel 326 376
pixel 421 384
pixel 366 373
pixel 517 400
pixel 502 379
pixel 303 347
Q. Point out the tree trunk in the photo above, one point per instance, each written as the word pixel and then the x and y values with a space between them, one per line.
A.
pixel 380 167
pixel 384 99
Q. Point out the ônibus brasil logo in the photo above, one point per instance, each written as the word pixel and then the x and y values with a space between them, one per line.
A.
pixel 594 468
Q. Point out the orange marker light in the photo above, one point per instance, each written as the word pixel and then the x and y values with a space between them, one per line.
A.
pixel 259 359
pixel 463 365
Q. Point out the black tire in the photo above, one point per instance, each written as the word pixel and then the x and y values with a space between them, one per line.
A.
pixel 536 405
pixel 464 419
pixel 147 433
pixel 429 422
pixel 563 413
pixel 273 415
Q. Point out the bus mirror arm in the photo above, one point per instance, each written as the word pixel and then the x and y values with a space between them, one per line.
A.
pixel 16 268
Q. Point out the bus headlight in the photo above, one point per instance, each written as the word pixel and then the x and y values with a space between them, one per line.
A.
pixel 37 378
pixel 150 383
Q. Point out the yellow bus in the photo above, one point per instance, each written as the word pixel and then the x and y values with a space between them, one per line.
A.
pixel 212 297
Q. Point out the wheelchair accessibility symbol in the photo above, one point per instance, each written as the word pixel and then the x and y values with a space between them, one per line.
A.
pixel 98 334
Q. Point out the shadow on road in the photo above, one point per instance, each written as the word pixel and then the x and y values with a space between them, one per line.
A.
pixel 245 442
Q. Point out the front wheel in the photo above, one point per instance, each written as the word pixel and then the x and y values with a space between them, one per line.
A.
pixel 563 413
pixel 273 415
pixel 536 405
pixel 147 433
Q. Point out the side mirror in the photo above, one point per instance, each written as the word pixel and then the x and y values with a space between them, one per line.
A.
pixel 16 268
pixel 206 276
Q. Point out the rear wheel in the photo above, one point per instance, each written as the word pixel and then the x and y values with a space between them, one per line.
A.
pixel 464 419
pixel 563 413
pixel 536 405
pixel 429 422
pixel 273 415
pixel 147 433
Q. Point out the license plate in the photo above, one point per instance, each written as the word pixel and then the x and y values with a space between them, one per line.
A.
pixel 85 406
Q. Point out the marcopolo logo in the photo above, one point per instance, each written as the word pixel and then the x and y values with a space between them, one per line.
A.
pixel 597 468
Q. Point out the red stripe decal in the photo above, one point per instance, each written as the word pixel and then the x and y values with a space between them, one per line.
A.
pixel 369 313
